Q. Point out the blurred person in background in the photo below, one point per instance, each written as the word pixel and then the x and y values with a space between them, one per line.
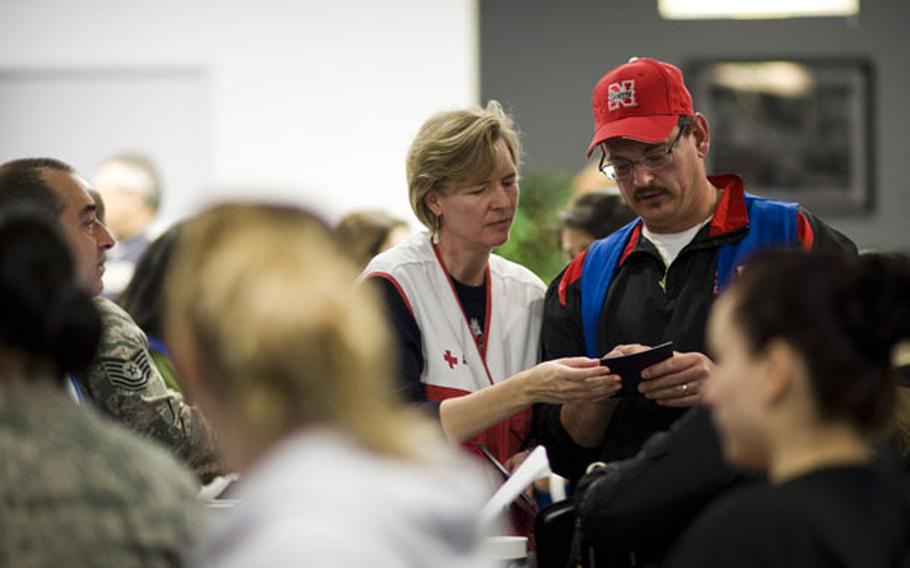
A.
pixel 143 299
pixel 290 358
pixel 589 217
pixel 130 186
pixel 804 385
pixel 364 234
pixel 468 321
pixel 900 441
pixel 122 381
pixel 77 490
pixel 902 435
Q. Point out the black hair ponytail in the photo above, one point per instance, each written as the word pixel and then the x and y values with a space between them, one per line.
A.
pixel 73 330
pixel 43 314
pixel 881 318
pixel 843 314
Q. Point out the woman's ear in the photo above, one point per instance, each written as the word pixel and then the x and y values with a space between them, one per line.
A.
pixel 432 202
pixel 188 362
pixel 702 135
pixel 782 366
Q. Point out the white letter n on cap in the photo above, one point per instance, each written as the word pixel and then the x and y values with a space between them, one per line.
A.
pixel 622 94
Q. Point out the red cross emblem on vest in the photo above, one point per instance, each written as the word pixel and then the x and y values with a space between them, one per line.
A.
pixel 622 94
pixel 450 359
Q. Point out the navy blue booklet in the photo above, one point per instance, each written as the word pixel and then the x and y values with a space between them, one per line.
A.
pixel 629 367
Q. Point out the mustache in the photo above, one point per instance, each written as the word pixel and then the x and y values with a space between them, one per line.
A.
pixel 651 189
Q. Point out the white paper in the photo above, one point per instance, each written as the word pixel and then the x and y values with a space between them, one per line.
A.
pixel 535 466
pixel 216 487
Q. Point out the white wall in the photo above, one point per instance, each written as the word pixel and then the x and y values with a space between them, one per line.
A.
pixel 314 102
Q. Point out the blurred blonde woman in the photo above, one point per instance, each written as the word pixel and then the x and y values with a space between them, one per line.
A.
pixel 288 358
pixel 467 320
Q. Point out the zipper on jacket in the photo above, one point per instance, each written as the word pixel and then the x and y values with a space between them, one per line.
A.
pixel 663 281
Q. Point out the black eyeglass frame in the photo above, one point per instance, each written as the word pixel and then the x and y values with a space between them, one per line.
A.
pixel 658 160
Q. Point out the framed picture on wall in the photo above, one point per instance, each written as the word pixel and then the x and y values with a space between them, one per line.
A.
pixel 793 129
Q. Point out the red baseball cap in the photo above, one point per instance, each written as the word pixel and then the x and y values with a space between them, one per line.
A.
pixel 640 100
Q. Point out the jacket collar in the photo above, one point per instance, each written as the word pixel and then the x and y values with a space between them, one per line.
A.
pixel 730 214
pixel 730 217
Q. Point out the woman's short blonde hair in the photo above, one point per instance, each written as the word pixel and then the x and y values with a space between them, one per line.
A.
pixel 286 336
pixel 456 147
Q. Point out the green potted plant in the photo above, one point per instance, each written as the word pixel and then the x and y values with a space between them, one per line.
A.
pixel 534 242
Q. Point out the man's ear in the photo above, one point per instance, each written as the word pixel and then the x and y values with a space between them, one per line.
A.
pixel 702 135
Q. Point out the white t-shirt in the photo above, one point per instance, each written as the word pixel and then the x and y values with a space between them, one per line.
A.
pixel 670 244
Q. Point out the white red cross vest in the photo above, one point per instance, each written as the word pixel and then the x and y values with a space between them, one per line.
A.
pixel 454 365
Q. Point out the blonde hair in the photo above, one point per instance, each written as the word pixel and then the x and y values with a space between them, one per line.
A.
pixel 287 337
pixel 361 234
pixel 456 147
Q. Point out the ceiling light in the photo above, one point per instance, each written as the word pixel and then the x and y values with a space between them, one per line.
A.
pixel 755 9
pixel 778 78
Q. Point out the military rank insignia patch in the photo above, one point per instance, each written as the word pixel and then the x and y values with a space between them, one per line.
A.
pixel 132 373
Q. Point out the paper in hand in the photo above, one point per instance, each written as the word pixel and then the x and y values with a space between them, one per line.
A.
pixel 629 367
pixel 535 466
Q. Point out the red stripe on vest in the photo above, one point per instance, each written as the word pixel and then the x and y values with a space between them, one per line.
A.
pixel 435 393
pixel 390 278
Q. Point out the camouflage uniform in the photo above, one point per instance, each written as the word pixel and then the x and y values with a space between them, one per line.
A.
pixel 78 490
pixel 125 384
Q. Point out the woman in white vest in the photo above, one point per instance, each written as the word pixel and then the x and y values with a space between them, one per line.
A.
pixel 468 321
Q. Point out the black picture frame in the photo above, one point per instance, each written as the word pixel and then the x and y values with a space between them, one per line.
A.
pixel 793 129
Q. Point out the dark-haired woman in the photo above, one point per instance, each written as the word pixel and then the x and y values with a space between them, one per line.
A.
pixel 591 216
pixel 142 299
pixel 75 489
pixel 804 385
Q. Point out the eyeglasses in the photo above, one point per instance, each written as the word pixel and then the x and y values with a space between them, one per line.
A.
pixel 622 169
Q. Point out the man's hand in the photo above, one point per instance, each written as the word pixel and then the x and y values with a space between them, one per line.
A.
pixel 678 381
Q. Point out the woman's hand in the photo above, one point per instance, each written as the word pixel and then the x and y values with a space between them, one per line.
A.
pixel 572 379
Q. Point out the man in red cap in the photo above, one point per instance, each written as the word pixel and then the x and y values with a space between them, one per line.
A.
pixel 655 280
pixel 651 282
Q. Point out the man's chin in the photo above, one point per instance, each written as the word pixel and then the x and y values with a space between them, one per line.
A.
pixel 93 287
